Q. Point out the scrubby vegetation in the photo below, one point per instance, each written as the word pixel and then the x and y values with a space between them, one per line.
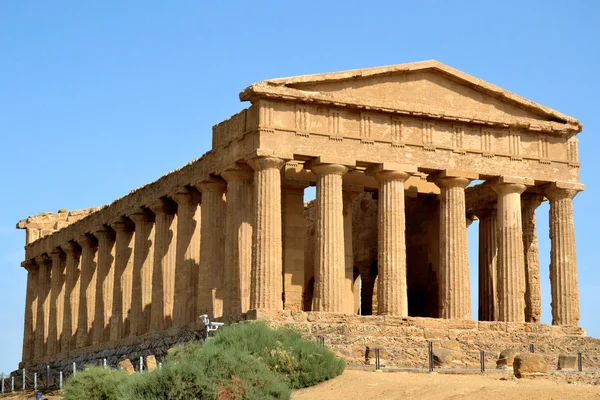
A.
pixel 245 361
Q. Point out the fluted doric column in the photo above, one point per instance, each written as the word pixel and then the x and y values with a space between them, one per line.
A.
pixel 120 326
pixel 392 289
pixel 330 266
pixel 292 205
pixel 533 296
pixel 57 302
pixel 43 306
pixel 143 265
pixel 510 284
pixel 238 241
pixel 563 259
pixel 266 286
pixel 348 195
pixel 30 311
pixel 72 289
pixel 104 285
pixel 87 292
pixel 488 253
pixel 163 274
pixel 188 256
pixel 455 292
pixel 212 250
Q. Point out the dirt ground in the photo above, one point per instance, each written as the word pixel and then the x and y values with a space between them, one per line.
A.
pixel 369 385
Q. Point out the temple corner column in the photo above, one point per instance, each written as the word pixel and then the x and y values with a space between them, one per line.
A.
pixel 563 258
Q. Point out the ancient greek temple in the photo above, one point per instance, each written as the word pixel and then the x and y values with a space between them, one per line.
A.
pixel 403 158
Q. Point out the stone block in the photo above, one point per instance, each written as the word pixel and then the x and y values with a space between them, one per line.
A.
pixel 126 366
pixel 151 363
pixel 507 357
pixel 431 333
pixel 566 362
pixel 529 364
pixel 446 357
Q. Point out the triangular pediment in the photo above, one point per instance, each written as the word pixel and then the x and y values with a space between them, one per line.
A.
pixel 425 88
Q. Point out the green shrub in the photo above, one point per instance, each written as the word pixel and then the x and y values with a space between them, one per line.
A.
pixel 208 373
pixel 95 383
pixel 244 361
pixel 301 362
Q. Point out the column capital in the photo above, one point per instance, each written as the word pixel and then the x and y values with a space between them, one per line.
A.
pixel 42 259
pixel 449 178
pixel 70 248
pixel 86 240
pixel 29 265
pixel 213 184
pixel 104 233
pixel 122 225
pixel 239 172
pixel 185 196
pixel 385 172
pixel 487 210
pixel 163 206
pixel 140 215
pixel 328 169
pixel 562 190
pixel 56 255
pixel 265 162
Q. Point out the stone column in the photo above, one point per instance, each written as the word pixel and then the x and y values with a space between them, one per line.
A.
pixel 455 293
pixel 348 195
pixel 143 264
pixel 511 263
pixel 563 260
pixel 266 286
pixel 238 241
pixel 392 289
pixel 188 256
pixel 105 282
pixel 163 275
pixel 292 203
pixel 212 250
pixel 30 311
pixel 533 296
pixel 57 302
pixel 72 289
pixel 43 306
pixel 87 292
pixel 120 326
pixel 488 252
pixel 330 266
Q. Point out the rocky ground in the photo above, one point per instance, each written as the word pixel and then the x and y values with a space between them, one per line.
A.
pixel 369 385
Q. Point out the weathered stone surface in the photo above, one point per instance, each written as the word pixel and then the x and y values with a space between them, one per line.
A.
pixel 567 362
pixel 446 357
pixel 151 362
pixel 506 357
pixel 127 366
pixel 529 364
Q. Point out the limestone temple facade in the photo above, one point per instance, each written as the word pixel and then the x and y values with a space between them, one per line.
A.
pixel 392 152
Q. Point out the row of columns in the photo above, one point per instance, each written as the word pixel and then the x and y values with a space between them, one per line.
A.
pixel 150 271
pixel 509 279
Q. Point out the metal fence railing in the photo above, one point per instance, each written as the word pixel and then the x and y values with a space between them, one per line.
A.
pixel 48 378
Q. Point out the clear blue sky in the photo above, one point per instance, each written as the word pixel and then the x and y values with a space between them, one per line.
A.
pixel 98 98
